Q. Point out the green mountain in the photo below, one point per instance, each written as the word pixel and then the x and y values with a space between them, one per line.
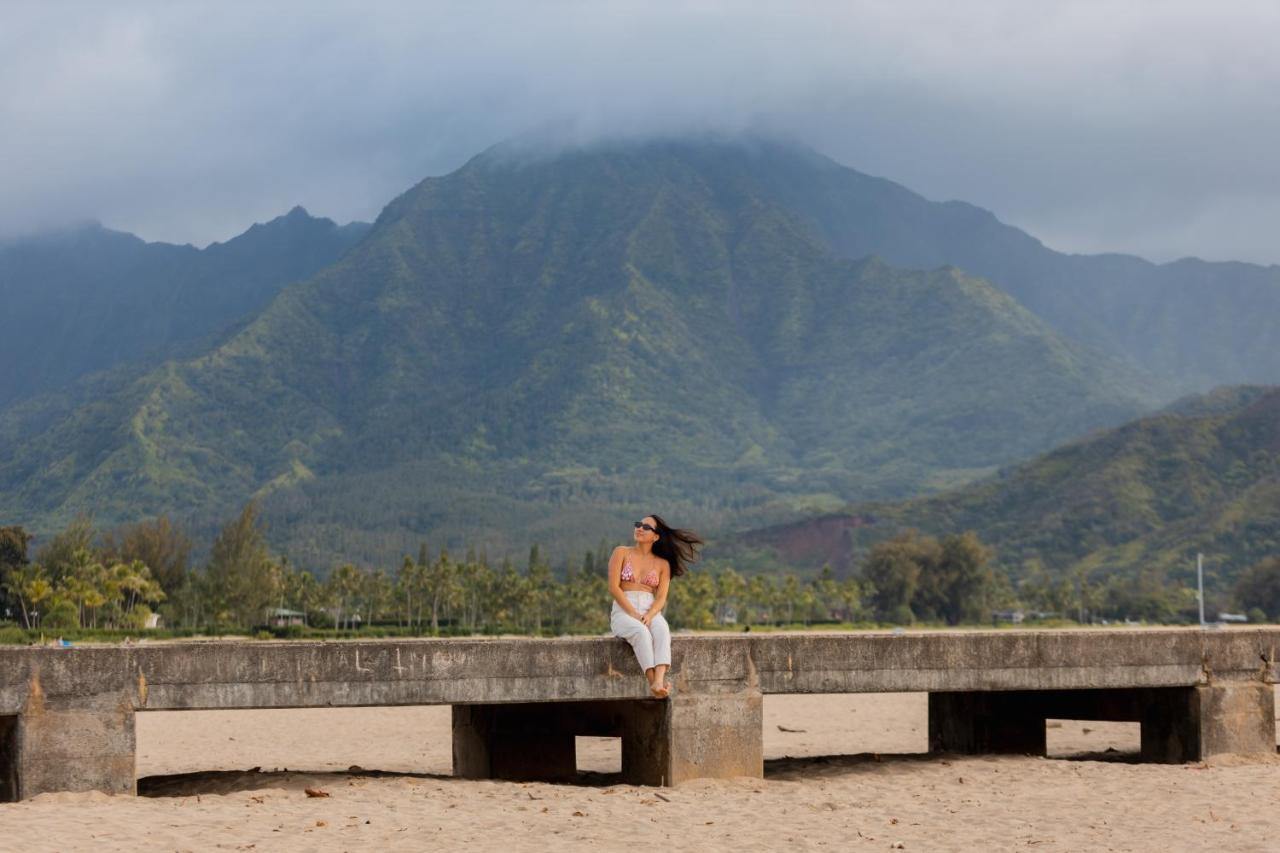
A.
pixel 1201 476
pixel 1192 324
pixel 536 347
pixel 88 299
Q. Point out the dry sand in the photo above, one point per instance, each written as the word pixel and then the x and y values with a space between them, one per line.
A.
pixel 851 776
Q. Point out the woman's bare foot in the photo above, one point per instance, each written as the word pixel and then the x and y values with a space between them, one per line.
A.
pixel 659 684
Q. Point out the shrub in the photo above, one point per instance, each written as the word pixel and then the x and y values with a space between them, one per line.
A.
pixel 1259 586
pixel 60 616
pixel 137 617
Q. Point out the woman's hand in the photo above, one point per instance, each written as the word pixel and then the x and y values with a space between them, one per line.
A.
pixel 647 618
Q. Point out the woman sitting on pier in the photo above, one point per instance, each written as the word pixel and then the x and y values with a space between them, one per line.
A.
pixel 639 577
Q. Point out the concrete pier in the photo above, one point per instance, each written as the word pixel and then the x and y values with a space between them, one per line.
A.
pixel 66 714
pixel 1178 724
pixel 72 749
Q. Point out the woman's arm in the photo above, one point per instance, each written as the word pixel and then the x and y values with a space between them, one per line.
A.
pixel 615 583
pixel 660 597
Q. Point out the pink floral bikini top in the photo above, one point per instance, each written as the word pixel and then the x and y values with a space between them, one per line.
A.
pixel 629 575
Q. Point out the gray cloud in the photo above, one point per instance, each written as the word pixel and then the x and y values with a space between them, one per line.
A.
pixel 1142 127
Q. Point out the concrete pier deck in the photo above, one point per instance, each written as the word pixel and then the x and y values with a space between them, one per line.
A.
pixel 67 714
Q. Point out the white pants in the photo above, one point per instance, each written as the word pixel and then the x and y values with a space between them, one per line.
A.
pixel 652 644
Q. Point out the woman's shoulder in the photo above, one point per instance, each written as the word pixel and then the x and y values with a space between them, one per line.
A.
pixel 621 549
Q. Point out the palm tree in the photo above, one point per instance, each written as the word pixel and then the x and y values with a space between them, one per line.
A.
pixel 30 585
pixel 344 586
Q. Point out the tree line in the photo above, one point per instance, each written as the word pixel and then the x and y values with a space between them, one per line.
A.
pixel 81 580
pixel 119 579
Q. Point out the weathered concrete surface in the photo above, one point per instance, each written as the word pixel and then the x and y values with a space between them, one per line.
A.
pixel 220 674
pixel 79 701
pixel 1236 718
pixel 75 750
pixel 68 742
pixel 716 736
pixel 1012 660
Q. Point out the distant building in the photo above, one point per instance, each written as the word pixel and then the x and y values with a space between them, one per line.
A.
pixel 1232 617
pixel 282 618
pixel 153 620
pixel 1014 616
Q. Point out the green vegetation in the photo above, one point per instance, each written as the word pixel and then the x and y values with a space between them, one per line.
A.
pixel 88 299
pixel 1190 324
pixel 70 589
pixel 441 594
pixel 85 586
pixel 918 577
pixel 537 349
pixel 541 347
pixel 73 586
pixel 1258 590
pixel 1117 517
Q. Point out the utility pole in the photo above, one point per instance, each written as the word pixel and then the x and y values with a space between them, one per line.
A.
pixel 1200 584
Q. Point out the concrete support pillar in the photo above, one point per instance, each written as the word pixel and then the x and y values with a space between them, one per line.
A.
pixel 1196 723
pixel 663 742
pixel 1238 718
pixel 715 736
pixel 974 723
pixel 67 749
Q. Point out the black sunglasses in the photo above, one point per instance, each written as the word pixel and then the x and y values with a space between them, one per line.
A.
pixel 640 525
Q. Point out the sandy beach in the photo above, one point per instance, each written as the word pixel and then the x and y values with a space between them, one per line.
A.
pixel 841 771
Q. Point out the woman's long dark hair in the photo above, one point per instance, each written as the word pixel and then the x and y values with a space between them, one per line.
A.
pixel 678 547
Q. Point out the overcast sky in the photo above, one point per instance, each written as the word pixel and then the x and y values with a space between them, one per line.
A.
pixel 1143 127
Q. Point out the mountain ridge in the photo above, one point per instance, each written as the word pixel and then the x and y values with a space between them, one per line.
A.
pixel 499 342
pixel 89 298
pixel 1202 475
pixel 1193 323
